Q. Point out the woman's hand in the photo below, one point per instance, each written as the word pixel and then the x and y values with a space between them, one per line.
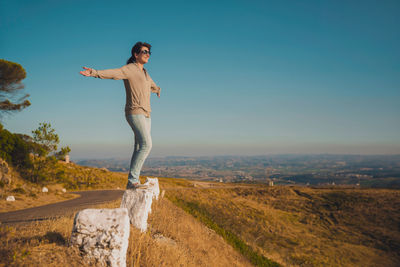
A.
pixel 87 72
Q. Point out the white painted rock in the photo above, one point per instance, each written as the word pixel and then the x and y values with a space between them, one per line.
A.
pixel 10 198
pixel 45 190
pixel 64 190
pixel 153 186
pixel 138 202
pixel 103 235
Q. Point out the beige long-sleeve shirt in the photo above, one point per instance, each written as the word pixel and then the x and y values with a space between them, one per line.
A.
pixel 138 87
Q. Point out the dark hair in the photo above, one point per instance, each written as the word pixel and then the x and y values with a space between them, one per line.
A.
pixel 136 49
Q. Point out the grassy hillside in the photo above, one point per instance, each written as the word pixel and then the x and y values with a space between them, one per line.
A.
pixel 28 194
pixel 60 175
pixel 221 224
pixel 36 161
pixel 76 177
pixel 303 226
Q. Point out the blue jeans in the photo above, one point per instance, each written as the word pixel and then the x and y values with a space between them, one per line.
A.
pixel 141 126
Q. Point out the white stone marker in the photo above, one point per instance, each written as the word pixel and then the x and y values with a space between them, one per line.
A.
pixel 103 235
pixel 10 198
pixel 153 186
pixel 138 202
pixel 64 190
pixel 45 190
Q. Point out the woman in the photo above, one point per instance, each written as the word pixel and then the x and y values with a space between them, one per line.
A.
pixel 138 86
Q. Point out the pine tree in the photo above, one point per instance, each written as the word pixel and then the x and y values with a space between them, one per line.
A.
pixel 11 75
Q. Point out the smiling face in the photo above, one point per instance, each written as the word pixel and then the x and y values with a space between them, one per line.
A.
pixel 143 56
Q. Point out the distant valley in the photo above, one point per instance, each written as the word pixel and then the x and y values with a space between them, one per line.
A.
pixel 315 170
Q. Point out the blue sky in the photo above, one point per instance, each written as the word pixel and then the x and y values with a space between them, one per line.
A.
pixel 237 77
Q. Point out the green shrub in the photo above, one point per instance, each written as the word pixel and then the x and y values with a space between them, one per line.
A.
pixel 7 142
pixel 14 149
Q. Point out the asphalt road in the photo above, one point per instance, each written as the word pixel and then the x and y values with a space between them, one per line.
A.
pixel 87 199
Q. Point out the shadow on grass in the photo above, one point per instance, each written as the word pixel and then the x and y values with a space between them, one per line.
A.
pixel 57 238
pixel 13 250
pixel 49 237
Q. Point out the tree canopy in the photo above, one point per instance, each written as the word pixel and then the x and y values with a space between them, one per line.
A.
pixel 46 136
pixel 11 76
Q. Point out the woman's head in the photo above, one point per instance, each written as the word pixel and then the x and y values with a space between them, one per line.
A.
pixel 140 53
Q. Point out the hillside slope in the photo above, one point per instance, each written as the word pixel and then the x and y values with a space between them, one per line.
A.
pixel 299 226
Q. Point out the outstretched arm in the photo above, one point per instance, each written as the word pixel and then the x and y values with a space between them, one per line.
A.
pixel 116 74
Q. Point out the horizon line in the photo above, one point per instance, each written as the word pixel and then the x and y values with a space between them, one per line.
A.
pixel 256 155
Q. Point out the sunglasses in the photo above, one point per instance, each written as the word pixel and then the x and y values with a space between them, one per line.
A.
pixel 145 52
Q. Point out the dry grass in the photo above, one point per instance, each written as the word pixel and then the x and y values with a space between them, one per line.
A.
pixel 188 242
pixel 42 243
pixel 174 238
pixel 307 227
pixel 76 177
